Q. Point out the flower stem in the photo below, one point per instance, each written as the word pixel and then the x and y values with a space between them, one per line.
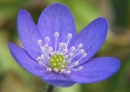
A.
pixel 49 88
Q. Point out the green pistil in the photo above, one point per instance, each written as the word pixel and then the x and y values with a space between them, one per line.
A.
pixel 57 60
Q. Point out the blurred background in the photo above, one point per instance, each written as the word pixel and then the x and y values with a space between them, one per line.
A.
pixel 13 78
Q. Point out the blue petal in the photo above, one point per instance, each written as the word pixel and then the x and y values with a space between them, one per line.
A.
pixel 92 37
pixel 21 56
pixel 96 70
pixel 58 80
pixel 56 18
pixel 28 33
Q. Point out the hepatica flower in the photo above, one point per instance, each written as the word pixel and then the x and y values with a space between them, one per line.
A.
pixel 53 50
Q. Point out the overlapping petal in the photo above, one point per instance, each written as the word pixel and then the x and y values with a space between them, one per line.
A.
pixel 28 33
pixel 57 79
pixel 56 18
pixel 95 70
pixel 21 56
pixel 92 37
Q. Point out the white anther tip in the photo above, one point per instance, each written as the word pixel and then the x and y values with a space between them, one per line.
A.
pixel 72 48
pixel 71 54
pixel 80 68
pixel 76 63
pixel 39 42
pixel 80 45
pixel 84 54
pixel 49 69
pixel 69 36
pixel 43 48
pixel 38 58
pixel 67 72
pixel 42 57
pixel 81 51
pixel 56 34
pixel 47 39
pixel 55 69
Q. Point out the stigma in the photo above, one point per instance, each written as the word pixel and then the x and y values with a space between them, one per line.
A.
pixel 59 57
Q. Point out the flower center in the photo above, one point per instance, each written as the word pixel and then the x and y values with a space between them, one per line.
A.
pixel 59 58
pixel 57 61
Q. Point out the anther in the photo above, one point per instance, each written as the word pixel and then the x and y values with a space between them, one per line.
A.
pixel 69 36
pixel 65 51
pixel 81 51
pixel 38 59
pixel 55 69
pixel 49 69
pixel 71 55
pixel 76 63
pixel 47 39
pixel 80 68
pixel 50 50
pixel 84 54
pixel 43 49
pixel 72 49
pixel 61 45
pixel 39 42
pixel 64 45
pixel 67 72
pixel 56 34
pixel 62 70
pixel 42 57
pixel 80 45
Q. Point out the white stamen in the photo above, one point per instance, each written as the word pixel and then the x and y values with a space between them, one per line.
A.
pixel 81 51
pixel 42 57
pixel 72 49
pixel 80 45
pixel 64 45
pixel 71 55
pixel 49 69
pixel 67 72
pixel 55 69
pixel 62 70
pixel 39 42
pixel 69 36
pixel 38 59
pixel 50 50
pixel 65 51
pixel 80 68
pixel 56 34
pixel 84 54
pixel 47 39
pixel 76 63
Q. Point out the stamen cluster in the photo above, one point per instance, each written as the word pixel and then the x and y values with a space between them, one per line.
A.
pixel 58 59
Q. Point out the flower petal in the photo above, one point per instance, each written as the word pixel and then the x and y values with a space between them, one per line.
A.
pixel 28 33
pixel 58 80
pixel 95 70
pixel 92 37
pixel 21 56
pixel 56 18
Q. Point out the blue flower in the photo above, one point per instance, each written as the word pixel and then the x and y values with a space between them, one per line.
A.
pixel 53 50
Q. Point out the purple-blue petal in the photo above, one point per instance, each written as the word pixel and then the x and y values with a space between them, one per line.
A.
pixel 28 33
pixel 96 70
pixel 56 18
pixel 92 37
pixel 57 79
pixel 21 56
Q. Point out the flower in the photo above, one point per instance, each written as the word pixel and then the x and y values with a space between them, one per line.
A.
pixel 53 50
